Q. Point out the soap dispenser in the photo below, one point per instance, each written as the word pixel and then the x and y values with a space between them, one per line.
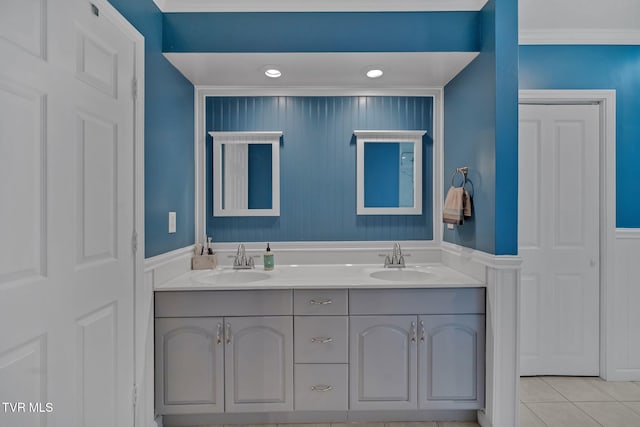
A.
pixel 268 259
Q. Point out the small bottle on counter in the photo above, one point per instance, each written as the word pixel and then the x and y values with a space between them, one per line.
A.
pixel 268 259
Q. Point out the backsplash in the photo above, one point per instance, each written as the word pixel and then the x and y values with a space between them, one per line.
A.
pixel 318 166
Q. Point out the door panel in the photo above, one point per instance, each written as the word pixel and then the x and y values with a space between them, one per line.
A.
pixel 66 263
pixel 451 362
pixel 189 365
pixel 383 362
pixel 259 364
pixel 558 229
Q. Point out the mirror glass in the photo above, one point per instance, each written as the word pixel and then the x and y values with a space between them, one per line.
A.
pixel 246 173
pixel 389 172
pixel 388 175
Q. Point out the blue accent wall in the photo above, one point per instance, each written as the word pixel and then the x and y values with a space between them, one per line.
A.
pixel 168 127
pixel 598 67
pixel 480 128
pixel 318 166
pixel 322 32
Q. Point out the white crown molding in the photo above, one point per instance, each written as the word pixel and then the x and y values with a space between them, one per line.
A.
pixel 579 36
pixel 205 90
pixel 628 233
pixel 318 6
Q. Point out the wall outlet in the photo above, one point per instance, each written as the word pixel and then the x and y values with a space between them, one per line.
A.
pixel 172 222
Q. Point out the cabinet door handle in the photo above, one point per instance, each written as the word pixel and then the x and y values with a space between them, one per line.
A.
pixel 412 332
pixel 321 387
pixel 421 331
pixel 219 333
pixel 228 334
pixel 321 340
pixel 321 302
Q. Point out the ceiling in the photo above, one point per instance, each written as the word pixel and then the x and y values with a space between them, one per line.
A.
pixel 537 18
pixel 414 69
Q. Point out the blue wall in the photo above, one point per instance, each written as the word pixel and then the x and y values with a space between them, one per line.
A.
pixel 321 32
pixel 598 67
pixel 168 127
pixel 481 119
pixel 318 166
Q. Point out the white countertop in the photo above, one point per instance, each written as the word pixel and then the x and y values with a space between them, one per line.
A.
pixel 317 276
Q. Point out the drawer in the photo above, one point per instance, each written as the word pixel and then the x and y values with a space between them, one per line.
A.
pixel 223 303
pixel 320 302
pixel 321 387
pixel 417 301
pixel 321 339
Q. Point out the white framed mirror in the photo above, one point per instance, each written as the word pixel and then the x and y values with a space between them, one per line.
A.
pixel 389 172
pixel 246 173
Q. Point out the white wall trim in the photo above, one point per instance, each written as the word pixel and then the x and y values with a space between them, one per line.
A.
pixel 607 101
pixel 573 36
pixel 154 262
pixel 200 132
pixel 628 233
pixel 317 6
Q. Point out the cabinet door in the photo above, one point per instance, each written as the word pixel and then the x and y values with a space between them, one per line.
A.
pixel 383 361
pixel 259 364
pixel 451 361
pixel 189 365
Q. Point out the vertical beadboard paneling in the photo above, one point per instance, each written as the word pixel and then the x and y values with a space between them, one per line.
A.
pixel 318 166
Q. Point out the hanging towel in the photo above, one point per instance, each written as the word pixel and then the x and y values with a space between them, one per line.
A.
pixel 457 206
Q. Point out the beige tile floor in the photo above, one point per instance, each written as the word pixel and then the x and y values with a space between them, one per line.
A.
pixel 549 402
pixel 578 402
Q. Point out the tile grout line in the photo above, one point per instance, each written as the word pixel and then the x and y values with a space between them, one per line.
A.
pixel 586 413
pixel 536 415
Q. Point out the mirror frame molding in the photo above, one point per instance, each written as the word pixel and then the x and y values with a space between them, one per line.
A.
pixel 408 136
pixel 258 137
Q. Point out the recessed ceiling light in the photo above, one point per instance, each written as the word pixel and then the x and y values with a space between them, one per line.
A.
pixel 274 73
pixel 374 74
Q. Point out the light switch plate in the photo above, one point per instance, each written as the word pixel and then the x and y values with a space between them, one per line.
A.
pixel 172 222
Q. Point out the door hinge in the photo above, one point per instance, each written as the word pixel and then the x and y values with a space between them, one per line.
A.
pixel 134 88
pixel 134 396
pixel 134 241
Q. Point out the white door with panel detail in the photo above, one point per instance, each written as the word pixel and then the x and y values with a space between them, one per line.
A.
pixel 558 233
pixel 67 214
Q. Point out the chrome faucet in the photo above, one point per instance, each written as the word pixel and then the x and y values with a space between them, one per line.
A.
pixel 241 261
pixel 396 260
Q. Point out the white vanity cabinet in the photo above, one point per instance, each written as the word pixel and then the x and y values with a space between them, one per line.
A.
pixel 334 351
pixel 228 363
pixel 416 349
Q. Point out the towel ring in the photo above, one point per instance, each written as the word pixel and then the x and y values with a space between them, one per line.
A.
pixel 463 172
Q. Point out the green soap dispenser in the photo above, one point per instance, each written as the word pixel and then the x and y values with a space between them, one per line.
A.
pixel 268 259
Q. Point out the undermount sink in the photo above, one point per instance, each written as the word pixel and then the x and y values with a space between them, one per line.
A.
pixel 232 277
pixel 401 275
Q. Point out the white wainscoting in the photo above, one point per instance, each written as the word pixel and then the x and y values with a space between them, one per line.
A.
pixel 626 295
pixel 157 270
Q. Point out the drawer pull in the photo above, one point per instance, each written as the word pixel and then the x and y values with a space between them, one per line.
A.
pixel 321 340
pixel 321 302
pixel 321 387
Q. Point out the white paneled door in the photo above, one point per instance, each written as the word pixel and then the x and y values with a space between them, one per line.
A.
pixel 558 233
pixel 67 215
